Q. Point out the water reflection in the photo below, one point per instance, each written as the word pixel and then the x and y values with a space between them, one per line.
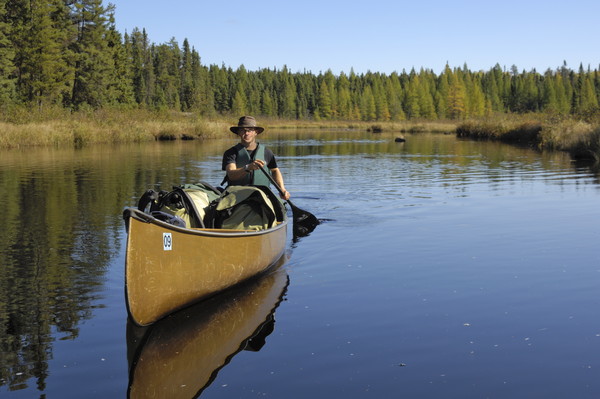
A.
pixel 178 357
pixel 62 226
pixel 56 244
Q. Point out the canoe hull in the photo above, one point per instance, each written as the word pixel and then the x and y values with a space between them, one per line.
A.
pixel 180 355
pixel 168 267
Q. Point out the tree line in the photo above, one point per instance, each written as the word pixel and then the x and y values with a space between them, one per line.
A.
pixel 68 53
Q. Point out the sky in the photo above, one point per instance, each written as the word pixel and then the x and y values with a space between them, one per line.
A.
pixel 374 35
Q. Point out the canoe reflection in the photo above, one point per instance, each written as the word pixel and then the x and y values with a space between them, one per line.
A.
pixel 179 356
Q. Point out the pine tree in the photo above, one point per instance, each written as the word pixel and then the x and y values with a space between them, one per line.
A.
pixel 411 101
pixel 343 96
pixel 94 67
pixel 287 95
pixel 121 84
pixel 187 93
pixel 167 75
pixel 238 106
pixel 202 98
pixel 367 105
pixel 393 92
pixel 424 97
pixel 142 67
pixel 587 101
pixel 456 102
pixel 7 66
pixel 550 100
pixel 267 106
pixel 476 99
pixel 325 103
pixel 41 34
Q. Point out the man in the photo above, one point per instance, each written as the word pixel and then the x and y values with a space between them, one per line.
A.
pixel 243 161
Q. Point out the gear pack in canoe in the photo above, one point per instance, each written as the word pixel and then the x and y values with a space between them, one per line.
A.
pixel 201 205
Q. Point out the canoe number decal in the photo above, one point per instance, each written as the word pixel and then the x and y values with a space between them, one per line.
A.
pixel 167 242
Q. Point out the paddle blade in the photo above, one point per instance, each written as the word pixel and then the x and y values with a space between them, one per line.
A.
pixel 304 222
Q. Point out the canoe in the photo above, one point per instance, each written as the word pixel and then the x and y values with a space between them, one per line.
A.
pixel 180 355
pixel 168 267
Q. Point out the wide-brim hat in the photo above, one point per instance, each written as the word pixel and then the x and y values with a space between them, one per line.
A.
pixel 247 121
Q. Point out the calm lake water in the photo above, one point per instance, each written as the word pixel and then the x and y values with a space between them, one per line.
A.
pixel 447 268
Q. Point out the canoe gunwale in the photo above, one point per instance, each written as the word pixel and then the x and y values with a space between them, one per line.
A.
pixel 146 218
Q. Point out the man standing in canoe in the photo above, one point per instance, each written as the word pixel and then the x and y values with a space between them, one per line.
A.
pixel 243 161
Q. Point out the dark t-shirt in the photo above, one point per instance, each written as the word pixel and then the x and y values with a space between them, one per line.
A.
pixel 230 156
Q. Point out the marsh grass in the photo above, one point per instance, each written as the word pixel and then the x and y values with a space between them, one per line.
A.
pixel 581 139
pixel 20 129
pixel 415 126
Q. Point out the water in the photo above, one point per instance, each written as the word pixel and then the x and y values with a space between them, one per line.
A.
pixel 446 268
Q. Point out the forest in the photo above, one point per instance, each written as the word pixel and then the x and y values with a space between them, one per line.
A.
pixel 69 54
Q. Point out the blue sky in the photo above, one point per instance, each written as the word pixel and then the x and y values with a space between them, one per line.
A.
pixel 375 35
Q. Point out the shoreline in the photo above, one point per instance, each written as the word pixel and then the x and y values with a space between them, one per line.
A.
pixel 579 138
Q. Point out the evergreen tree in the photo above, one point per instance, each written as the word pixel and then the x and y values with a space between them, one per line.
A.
pixel 267 107
pixel 393 92
pixel 549 97
pixel 344 97
pixel 476 99
pixel 411 101
pixel 41 35
pixel 142 67
pixel 287 95
pixel 220 85
pixel 424 97
pixel 367 105
pixel 121 83
pixel 188 95
pixel 587 102
pixel 167 75
pixel 7 54
pixel 239 106
pixel 562 95
pixel 203 96
pixel 325 103
pixel 94 66
pixel 456 102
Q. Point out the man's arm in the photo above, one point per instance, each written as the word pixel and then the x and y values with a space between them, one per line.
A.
pixel 278 177
pixel 235 173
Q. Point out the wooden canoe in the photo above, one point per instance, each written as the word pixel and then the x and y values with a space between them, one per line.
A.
pixel 169 267
pixel 180 355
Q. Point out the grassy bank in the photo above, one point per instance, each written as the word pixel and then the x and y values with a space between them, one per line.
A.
pixel 580 139
pixel 22 128
pixel 58 127
pixel 104 126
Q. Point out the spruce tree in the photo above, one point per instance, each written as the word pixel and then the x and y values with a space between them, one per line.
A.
pixel 7 66
pixel 121 83
pixel 456 101
pixel 367 105
pixel 94 66
pixel 325 102
pixel 41 34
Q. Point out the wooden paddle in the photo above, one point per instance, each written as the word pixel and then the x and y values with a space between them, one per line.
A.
pixel 304 221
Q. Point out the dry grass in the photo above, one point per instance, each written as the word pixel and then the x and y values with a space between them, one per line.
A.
pixel 106 126
pixel 57 127
pixel 581 139
pixel 415 126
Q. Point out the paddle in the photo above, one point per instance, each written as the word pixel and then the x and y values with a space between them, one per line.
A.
pixel 304 221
